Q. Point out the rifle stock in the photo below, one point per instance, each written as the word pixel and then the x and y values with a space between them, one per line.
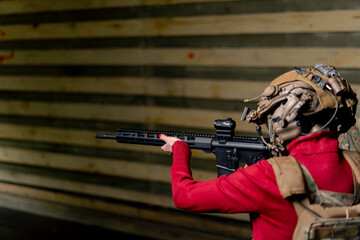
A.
pixel 230 150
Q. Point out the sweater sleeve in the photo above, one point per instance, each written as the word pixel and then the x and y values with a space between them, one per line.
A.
pixel 242 191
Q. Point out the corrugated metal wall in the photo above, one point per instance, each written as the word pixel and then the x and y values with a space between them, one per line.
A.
pixel 69 69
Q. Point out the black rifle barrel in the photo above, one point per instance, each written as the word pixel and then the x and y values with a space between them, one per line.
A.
pixel 150 137
pixel 205 142
pixel 105 136
pixel 230 150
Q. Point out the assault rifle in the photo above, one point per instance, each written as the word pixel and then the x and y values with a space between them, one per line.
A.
pixel 230 150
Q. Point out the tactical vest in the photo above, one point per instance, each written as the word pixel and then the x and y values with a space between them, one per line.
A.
pixel 321 214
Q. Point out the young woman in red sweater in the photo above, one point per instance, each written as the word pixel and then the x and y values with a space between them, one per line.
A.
pixel 303 110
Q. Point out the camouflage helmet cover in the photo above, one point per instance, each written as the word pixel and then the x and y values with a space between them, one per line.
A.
pixel 301 93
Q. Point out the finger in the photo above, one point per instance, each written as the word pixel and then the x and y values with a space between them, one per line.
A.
pixel 162 137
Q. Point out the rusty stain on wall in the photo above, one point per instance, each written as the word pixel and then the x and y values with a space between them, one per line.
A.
pixel 191 55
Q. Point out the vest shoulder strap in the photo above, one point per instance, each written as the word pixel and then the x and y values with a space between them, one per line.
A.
pixel 289 176
pixel 291 180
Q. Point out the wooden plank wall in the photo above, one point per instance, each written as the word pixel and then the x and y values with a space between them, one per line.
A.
pixel 69 69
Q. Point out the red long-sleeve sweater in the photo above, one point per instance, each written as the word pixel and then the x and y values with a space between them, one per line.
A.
pixel 254 188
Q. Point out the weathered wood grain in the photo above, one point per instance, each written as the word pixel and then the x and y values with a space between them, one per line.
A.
pixel 23 6
pixel 40 9
pixel 108 221
pixel 131 190
pixel 71 69
pixel 325 39
pixel 299 22
pixel 238 89
pixel 202 222
pixel 128 168
pixel 35 226
pixel 72 137
pixel 167 87
pixel 239 57
pixel 196 72
pixel 128 113
pixel 122 189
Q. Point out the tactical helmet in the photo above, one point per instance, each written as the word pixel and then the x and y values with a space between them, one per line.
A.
pixel 304 101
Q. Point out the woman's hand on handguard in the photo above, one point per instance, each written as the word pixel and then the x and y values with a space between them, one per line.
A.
pixel 169 142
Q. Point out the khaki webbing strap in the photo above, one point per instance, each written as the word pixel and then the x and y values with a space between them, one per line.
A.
pixel 301 206
pixel 353 158
pixel 289 176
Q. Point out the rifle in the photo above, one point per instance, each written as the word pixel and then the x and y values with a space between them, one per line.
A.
pixel 230 150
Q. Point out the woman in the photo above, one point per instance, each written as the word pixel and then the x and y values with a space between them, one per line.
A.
pixel 304 111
